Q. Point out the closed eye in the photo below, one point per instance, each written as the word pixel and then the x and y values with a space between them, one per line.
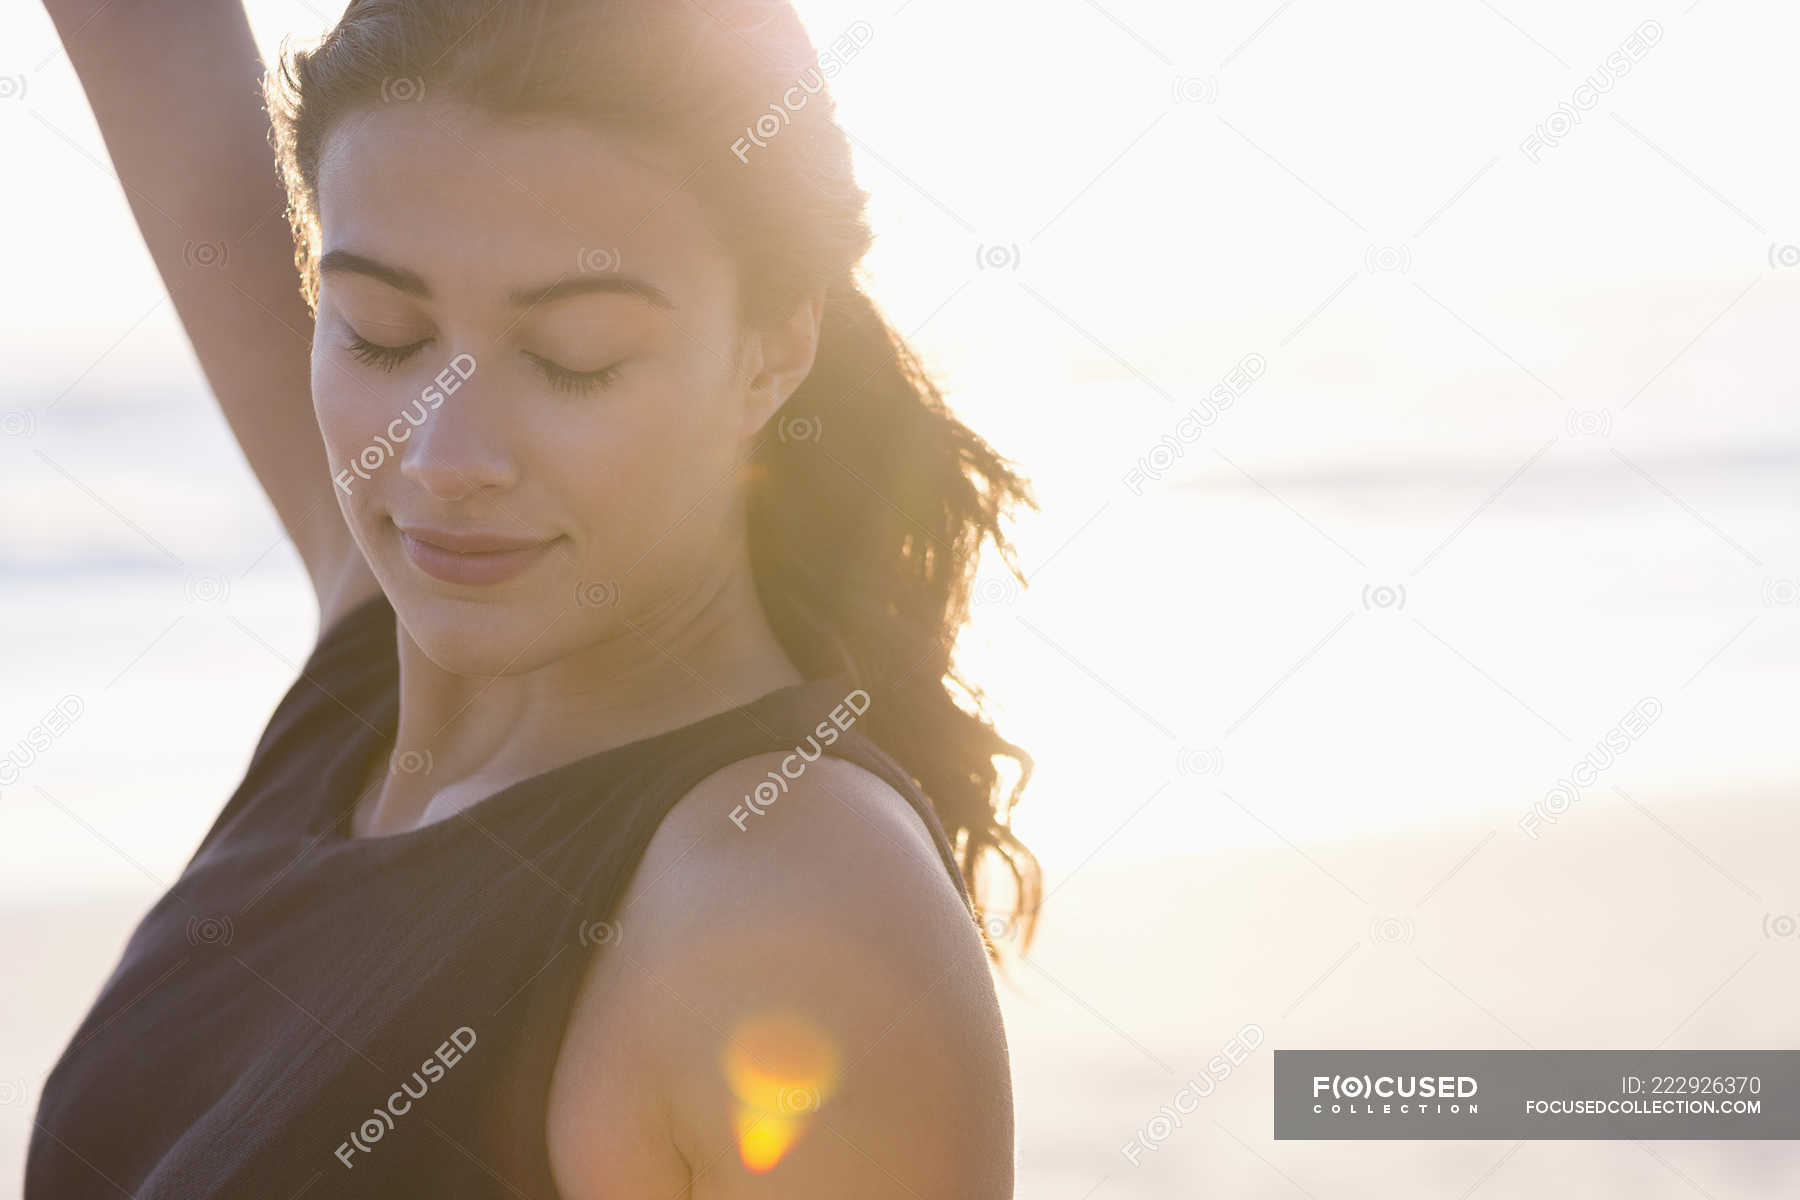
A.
pixel 565 380
pixel 560 377
pixel 385 357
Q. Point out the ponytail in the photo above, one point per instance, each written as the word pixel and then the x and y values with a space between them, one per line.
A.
pixel 869 502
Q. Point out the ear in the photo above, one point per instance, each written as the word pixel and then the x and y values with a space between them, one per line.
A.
pixel 778 358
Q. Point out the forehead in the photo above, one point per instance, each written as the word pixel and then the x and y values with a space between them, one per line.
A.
pixel 479 205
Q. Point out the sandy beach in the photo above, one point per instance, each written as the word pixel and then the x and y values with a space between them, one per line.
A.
pixel 1620 928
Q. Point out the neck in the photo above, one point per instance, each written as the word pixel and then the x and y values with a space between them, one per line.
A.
pixel 462 738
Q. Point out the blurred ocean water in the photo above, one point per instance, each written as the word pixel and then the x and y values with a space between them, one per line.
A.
pixel 1365 646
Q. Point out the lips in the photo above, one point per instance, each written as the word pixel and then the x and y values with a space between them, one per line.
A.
pixel 472 556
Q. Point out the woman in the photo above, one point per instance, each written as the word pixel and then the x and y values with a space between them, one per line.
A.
pixel 619 836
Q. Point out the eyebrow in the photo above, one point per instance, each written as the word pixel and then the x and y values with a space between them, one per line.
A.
pixel 413 285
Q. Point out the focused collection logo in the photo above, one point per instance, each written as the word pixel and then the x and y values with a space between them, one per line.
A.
pixel 1381 1095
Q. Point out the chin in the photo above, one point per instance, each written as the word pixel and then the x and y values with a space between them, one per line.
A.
pixel 507 633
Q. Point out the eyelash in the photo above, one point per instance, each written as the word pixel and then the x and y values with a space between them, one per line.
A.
pixel 561 378
pixel 565 380
pixel 385 357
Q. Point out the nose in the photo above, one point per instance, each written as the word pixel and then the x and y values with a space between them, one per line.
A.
pixel 461 446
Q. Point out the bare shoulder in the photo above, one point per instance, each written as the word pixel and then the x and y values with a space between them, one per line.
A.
pixel 796 1004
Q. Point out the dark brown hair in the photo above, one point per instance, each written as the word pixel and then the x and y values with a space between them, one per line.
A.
pixel 868 501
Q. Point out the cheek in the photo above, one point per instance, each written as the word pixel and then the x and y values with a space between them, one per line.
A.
pixel 351 422
pixel 342 408
pixel 645 469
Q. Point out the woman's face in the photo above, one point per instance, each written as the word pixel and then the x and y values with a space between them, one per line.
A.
pixel 526 367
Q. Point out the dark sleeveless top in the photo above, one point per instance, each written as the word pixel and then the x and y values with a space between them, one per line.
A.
pixel 306 1013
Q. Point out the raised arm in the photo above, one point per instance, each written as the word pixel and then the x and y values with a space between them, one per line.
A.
pixel 174 86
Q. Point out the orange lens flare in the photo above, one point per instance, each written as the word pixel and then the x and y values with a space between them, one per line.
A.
pixel 782 1068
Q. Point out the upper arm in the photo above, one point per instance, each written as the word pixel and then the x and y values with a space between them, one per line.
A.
pixel 174 87
pixel 800 1007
